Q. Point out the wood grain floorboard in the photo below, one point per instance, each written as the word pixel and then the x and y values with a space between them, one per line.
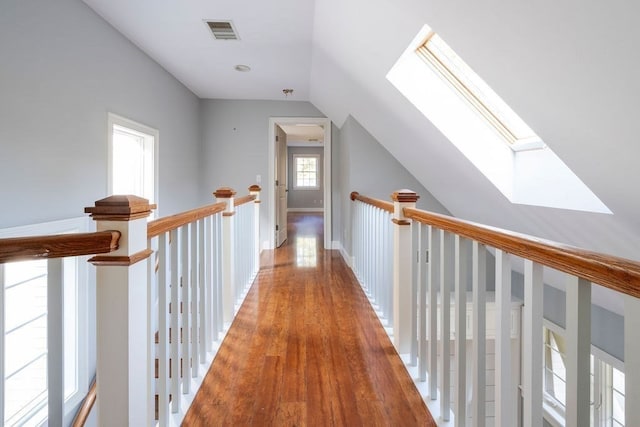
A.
pixel 306 349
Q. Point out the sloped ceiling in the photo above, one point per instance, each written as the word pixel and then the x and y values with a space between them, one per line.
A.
pixel 570 69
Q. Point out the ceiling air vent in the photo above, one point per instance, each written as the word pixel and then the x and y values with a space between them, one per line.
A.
pixel 223 30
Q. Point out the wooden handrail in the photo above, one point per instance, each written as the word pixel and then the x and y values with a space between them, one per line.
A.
pixel 386 206
pixel 245 199
pixel 57 246
pixel 168 223
pixel 85 409
pixel 620 274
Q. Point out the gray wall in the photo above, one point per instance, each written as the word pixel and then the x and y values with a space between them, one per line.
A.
pixel 365 166
pixel 304 199
pixel 63 68
pixel 235 145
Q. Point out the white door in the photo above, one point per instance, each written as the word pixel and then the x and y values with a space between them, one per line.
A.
pixel 281 186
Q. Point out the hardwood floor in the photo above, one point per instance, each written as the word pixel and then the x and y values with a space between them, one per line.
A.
pixel 306 349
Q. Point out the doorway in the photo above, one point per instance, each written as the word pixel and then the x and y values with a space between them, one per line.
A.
pixel 276 194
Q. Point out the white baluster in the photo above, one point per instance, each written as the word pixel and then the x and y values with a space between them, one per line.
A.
pixel 208 284
pixel 174 330
pixel 578 361
pixel 152 328
pixel 532 345
pixel 631 360
pixel 55 341
pixel 195 258
pixel 213 268
pixel 446 278
pixel 505 391
pixel 479 263
pixel 389 290
pixel 422 291
pixel 202 321
pixel 415 229
pixel 433 277
pixel 163 331
pixel 460 279
pixel 185 285
pixel 219 244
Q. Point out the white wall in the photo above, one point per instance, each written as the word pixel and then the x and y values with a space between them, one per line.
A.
pixel 235 146
pixel 63 68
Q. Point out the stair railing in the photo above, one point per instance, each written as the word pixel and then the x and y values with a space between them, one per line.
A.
pixel 434 255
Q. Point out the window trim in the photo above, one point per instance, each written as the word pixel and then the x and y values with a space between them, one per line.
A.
pixel 116 120
pixel 295 172
pixel 604 363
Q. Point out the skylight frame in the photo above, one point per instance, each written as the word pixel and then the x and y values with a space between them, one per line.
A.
pixel 439 56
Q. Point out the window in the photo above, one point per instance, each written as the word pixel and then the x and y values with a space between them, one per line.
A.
pixel 555 373
pixel 132 158
pixel 306 172
pixel 607 383
pixel 471 115
pixel 24 325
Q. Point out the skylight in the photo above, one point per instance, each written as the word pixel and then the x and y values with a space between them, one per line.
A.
pixel 439 55
pixel 473 117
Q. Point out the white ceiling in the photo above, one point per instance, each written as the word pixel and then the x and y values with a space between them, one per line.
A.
pixel 538 56
pixel 275 41
pixel 303 134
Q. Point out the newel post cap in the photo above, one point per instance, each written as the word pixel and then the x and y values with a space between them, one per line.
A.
pixel 255 188
pixel 120 208
pixel 224 193
pixel 405 196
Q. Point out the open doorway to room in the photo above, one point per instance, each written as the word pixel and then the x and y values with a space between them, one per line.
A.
pixel 299 173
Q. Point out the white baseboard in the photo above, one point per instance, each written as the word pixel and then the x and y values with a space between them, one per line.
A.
pixel 305 209
pixel 338 246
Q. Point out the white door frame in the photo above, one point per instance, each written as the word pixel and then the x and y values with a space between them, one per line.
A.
pixel 326 172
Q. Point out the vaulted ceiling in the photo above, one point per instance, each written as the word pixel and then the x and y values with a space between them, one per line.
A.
pixel 568 68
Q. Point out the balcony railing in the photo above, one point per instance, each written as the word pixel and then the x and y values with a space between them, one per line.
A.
pixel 439 289
pixel 166 291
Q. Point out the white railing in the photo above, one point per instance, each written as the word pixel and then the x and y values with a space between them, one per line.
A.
pixel 245 248
pixel 185 289
pixel 192 258
pixel 372 252
pixel 439 269
pixel 162 290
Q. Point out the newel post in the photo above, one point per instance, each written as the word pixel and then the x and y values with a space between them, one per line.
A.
pixel 225 194
pixel 402 269
pixel 254 190
pixel 123 368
